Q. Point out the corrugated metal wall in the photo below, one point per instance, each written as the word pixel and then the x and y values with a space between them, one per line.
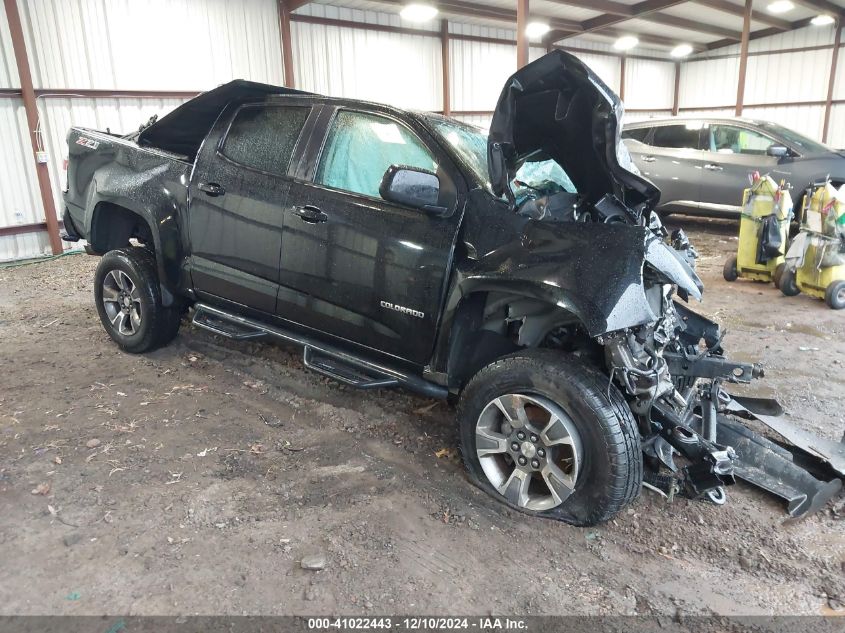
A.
pixel 362 64
pixel 775 83
pixel 105 44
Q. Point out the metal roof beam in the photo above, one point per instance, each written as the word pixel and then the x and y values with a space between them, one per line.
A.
pixel 629 12
pixel 823 6
pixel 757 16
pixel 638 10
pixel 756 35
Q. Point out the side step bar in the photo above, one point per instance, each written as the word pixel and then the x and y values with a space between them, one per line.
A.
pixel 317 356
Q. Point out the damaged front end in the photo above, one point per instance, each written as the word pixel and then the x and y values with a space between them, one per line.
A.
pixel 666 359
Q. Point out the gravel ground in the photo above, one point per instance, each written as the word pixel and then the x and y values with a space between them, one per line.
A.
pixel 202 477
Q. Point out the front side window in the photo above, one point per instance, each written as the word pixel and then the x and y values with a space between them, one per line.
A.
pixel 263 137
pixel 678 136
pixel 361 147
pixel 729 139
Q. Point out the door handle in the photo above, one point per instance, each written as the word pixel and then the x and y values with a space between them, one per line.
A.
pixel 310 214
pixel 649 159
pixel 714 167
pixel 211 189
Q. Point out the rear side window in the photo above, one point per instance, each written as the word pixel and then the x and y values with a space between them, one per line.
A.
pixel 361 147
pixel 677 136
pixel 263 137
pixel 639 134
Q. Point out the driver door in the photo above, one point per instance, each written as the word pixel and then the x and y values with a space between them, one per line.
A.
pixel 354 265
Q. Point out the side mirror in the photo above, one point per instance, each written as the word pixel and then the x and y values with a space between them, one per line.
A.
pixel 777 151
pixel 412 187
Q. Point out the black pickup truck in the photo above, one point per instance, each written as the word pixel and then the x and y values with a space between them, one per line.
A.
pixel 521 273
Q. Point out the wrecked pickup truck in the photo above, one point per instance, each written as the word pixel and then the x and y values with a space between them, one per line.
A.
pixel 520 273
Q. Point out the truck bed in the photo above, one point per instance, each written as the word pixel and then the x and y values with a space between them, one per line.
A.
pixel 104 169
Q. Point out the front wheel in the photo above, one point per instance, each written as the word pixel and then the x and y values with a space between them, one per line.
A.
pixel 543 433
pixel 128 298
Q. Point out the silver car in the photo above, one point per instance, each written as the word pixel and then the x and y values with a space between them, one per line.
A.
pixel 702 165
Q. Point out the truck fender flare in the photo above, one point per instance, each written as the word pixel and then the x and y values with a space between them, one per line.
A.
pixel 165 240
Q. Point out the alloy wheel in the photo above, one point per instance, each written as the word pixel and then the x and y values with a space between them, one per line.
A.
pixel 529 450
pixel 122 302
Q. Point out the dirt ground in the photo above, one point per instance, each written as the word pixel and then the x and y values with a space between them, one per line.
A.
pixel 197 478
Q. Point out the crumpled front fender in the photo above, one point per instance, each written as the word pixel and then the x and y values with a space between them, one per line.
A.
pixel 594 271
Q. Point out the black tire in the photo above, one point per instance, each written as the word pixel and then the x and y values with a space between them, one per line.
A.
pixel 611 462
pixel 834 297
pixel 788 285
pixel 778 275
pixel 156 325
pixel 730 272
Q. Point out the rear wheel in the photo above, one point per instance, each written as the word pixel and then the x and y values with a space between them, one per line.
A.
pixel 543 433
pixel 835 295
pixel 778 274
pixel 729 272
pixel 788 285
pixel 128 298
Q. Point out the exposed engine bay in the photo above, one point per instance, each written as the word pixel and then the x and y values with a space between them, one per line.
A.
pixel 554 153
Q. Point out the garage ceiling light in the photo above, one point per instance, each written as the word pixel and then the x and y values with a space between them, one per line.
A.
pixel 536 30
pixel 681 50
pixel 418 12
pixel 780 6
pixel 625 43
pixel 822 20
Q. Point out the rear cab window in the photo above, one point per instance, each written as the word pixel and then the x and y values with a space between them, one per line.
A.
pixel 263 137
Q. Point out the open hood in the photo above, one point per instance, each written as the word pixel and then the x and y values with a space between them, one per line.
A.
pixel 558 107
pixel 182 130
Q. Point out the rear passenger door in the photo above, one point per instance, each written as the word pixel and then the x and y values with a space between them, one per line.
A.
pixel 674 162
pixel 354 265
pixel 238 192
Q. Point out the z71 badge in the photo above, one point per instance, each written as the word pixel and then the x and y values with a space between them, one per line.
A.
pixel 403 310
pixel 87 142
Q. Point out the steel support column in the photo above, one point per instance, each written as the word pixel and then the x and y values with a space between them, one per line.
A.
pixel 287 47
pixel 743 57
pixel 521 36
pixel 446 66
pixel 622 71
pixel 31 108
pixel 828 106
pixel 676 98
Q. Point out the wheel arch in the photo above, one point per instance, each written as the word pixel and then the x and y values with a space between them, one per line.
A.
pixel 489 321
pixel 114 223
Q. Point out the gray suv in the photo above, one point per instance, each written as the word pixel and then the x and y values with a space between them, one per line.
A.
pixel 702 165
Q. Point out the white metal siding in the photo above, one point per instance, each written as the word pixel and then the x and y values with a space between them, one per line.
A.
pixel 126 44
pixel 786 77
pixel 709 83
pixel 649 84
pixel 402 70
pixel 20 200
pixel 836 134
pixel 479 70
pixel 8 69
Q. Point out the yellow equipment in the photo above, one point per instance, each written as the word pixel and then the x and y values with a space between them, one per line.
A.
pixel 763 231
pixel 815 263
